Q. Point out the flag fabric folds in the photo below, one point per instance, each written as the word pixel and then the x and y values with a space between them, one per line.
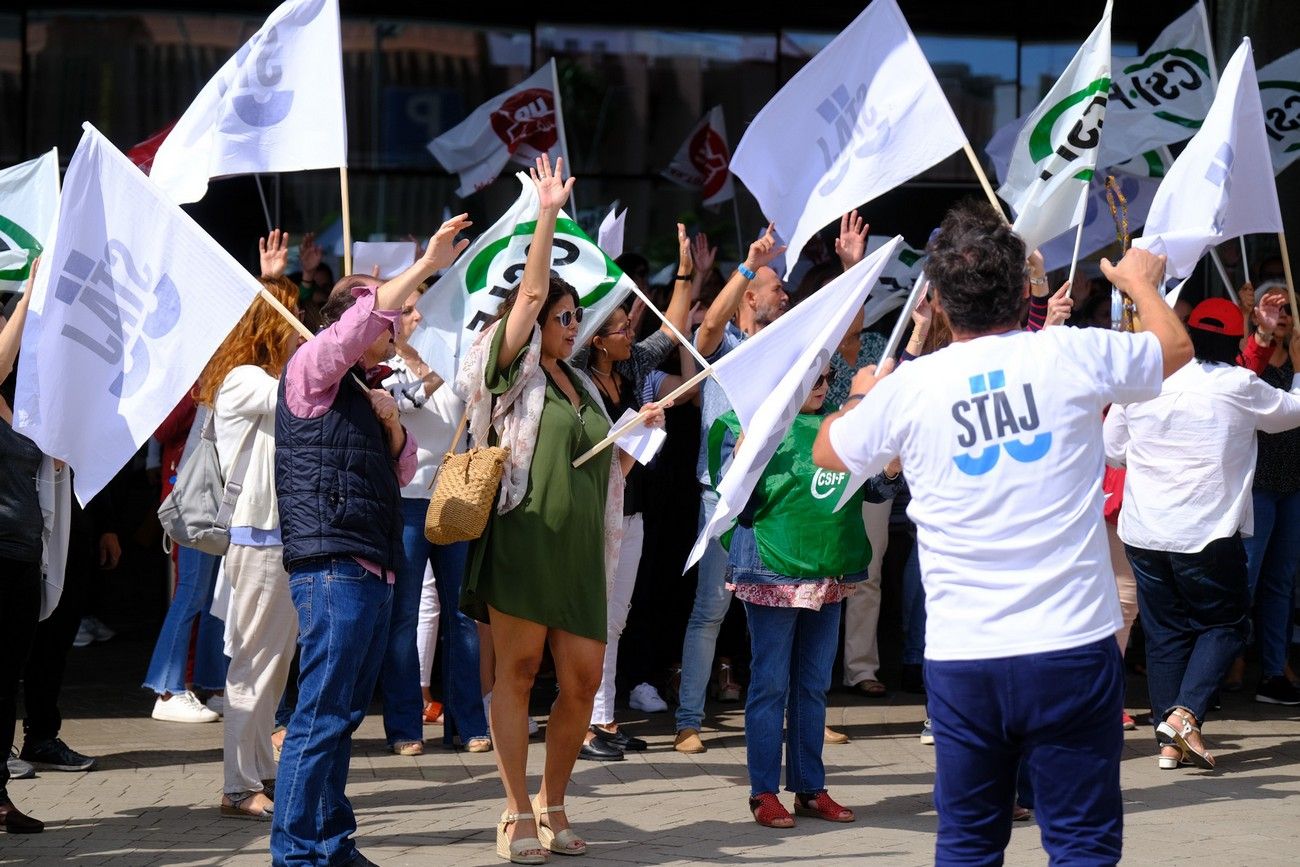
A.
pixel 1279 91
pixel 1055 153
pixel 703 161
pixel 131 300
pixel 609 237
pixel 896 280
pixel 1221 186
pixel 276 106
pixel 768 377
pixel 862 117
pixel 468 294
pixel 520 124
pixel 1098 225
pixel 29 200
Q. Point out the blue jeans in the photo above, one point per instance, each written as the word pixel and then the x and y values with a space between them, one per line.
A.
pixel 343 614
pixel 1272 556
pixel 712 599
pixel 1196 616
pixel 457 639
pixel 790 670
pixel 1054 716
pixel 913 610
pixel 196 575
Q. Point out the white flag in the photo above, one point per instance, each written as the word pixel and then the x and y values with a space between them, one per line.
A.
pixel 703 161
pixel 862 117
pixel 768 377
pixel 1279 91
pixel 520 124
pixel 29 199
pixel 391 257
pixel 276 106
pixel 896 281
pixel 131 300
pixel 609 237
pixel 1221 186
pixel 469 293
pixel 1055 153
pixel 1098 224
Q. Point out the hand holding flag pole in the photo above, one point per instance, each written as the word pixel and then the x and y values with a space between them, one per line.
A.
pixel 666 400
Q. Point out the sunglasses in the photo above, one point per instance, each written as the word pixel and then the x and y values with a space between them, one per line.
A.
pixel 825 379
pixel 568 317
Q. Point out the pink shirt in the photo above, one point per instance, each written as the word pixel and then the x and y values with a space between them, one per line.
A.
pixel 316 371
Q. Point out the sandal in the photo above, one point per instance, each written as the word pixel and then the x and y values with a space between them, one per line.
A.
pixel 232 806
pixel 560 842
pixel 1171 757
pixel 479 745
pixel 727 689
pixel 770 812
pixel 1179 732
pixel 820 805
pixel 516 851
pixel 870 688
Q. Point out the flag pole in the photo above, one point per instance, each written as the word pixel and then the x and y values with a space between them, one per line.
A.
pixel 913 301
pixel 559 129
pixel 1245 265
pixel 347 221
pixel 983 178
pixel 1223 275
pixel 266 211
pixel 689 344
pixel 741 249
pixel 286 313
pixel 1290 281
pixel 1074 257
pixel 672 395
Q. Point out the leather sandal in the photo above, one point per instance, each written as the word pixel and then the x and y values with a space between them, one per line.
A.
pixel 820 805
pixel 560 842
pixel 1179 732
pixel 769 812
pixel 516 851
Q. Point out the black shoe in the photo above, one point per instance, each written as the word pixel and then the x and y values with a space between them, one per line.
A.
pixel 600 751
pixel 15 821
pixel 55 755
pixel 620 739
pixel 1277 690
pixel 913 679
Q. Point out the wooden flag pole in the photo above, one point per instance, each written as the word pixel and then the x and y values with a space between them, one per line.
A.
pixel 983 178
pixel 286 313
pixel 609 440
pixel 689 344
pixel 1290 281
pixel 347 221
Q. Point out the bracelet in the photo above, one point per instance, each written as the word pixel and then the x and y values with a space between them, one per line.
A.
pixel 854 397
pixel 1041 281
pixel 745 272
pixel 684 276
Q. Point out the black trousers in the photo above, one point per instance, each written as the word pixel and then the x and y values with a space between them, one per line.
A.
pixel 20 606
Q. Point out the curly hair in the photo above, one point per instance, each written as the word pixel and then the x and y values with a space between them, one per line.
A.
pixel 977 267
pixel 260 338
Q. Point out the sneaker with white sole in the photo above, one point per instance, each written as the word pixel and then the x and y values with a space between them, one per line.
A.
pixel 98 630
pixel 183 707
pixel 216 704
pixel 18 769
pixel 55 755
pixel 85 637
pixel 1277 690
pixel 927 734
pixel 647 699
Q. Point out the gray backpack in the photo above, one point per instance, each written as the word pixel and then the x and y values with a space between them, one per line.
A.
pixel 198 510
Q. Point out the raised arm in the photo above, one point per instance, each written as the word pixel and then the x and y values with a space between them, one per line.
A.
pixel 552 193
pixel 851 245
pixel 724 307
pixel 1137 275
pixel 442 251
pixel 11 336
pixel 679 305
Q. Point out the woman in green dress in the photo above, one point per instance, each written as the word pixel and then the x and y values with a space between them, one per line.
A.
pixel 538 574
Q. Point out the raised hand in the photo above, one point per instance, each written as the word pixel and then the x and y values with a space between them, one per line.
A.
pixel 273 253
pixel 309 255
pixel 443 247
pixel 552 190
pixel 764 250
pixel 1059 306
pixel 1138 269
pixel 702 253
pixel 683 250
pixel 851 245
pixel 922 316
pixel 1267 312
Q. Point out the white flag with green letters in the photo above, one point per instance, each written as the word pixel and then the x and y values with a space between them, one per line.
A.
pixel 1055 153
pixel 1279 91
pixel 466 297
pixel 29 200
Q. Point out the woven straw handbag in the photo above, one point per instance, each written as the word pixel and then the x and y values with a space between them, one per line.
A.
pixel 465 491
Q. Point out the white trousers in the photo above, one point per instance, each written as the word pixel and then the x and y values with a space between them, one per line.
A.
pixel 619 603
pixel 862 607
pixel 426 626
pixel 263 627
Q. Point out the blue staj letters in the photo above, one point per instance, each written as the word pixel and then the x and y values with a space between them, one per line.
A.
pixel 988 421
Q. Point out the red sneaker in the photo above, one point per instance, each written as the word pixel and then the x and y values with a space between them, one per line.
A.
pixel 821 806
pixel 769 812
pixel 1129 723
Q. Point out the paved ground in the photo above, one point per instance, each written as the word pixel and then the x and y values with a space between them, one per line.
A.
pixel 153 799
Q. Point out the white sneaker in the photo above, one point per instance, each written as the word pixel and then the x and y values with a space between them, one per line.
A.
pixel 646 698
pixel 98 630
pixel 216 704
pixel 85 637
pixel 487 712
pixel 183 707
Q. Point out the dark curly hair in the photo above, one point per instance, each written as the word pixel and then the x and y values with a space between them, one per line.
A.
pixel 977 267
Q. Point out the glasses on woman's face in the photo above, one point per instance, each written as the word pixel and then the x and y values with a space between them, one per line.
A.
pixel 568 317
pixel 825 379
pixel 619 332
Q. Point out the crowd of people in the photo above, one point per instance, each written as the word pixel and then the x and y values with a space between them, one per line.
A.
pixel 986 441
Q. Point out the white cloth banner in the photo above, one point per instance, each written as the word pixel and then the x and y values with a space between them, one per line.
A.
pixel 862 117
pixel 1221 186
pixel 520 124
pixel 641 442
pixel 768 377
pixel 1098 225
pixel 896 281
pixel 29 199
pixel 131 300
pixel 391 257
pixel 276 106
pixel 1055 153
pixel 1279 91
pixel 609 237
pixel 703 161
pixel 54 492
pixel 469 293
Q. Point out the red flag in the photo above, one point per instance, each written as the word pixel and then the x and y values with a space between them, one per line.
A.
pixel 704 159
pixel 143 153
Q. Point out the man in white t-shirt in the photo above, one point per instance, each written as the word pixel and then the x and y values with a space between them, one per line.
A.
pixel 1000 436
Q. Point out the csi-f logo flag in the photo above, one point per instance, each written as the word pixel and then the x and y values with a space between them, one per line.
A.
pixel 1055 153
pixel 520 124
pixel 276 106
pixel 131 300
pixel 29 199
pixel 469 293
pixel 703 160
pixel 862 117
pixel 1279 91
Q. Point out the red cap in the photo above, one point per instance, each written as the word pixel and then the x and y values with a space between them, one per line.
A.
pixel 1218 316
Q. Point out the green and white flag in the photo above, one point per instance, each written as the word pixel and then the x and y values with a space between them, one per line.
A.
pixel 29 201
pixel 1056 151
pixel 1279 91
pixel 467 295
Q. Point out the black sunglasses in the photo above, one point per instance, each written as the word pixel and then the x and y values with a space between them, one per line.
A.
pixel 568 317
pixel 825 379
